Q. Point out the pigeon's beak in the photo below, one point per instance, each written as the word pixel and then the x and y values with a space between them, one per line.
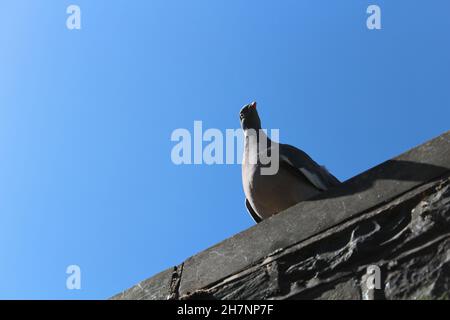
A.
pixel 253 105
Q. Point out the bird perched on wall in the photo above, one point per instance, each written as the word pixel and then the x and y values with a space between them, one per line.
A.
pixel 297 178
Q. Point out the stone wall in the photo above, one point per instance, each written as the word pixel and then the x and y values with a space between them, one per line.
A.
pixel 393 218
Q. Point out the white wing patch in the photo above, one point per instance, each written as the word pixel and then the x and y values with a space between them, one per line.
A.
pixel 314 179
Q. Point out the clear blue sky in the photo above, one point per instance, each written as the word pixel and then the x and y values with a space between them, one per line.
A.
pixel 86 117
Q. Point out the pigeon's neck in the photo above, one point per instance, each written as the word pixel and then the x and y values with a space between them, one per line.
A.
pixel 256 136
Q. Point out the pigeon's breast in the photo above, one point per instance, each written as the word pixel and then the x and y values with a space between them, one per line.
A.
pixel 270 194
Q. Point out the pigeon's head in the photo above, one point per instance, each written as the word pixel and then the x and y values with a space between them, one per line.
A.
pixel 249 117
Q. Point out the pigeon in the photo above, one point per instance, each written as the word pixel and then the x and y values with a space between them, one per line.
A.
pixel 298 176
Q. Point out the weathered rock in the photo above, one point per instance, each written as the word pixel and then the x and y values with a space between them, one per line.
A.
pixel 157 287
pixel 408 239
pixel 394 218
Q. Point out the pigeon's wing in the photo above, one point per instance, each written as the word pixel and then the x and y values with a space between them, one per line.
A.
pixel 299 160
pixel 252 212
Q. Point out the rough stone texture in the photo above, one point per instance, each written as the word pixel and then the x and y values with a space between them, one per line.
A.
pixel 408 238
pixel 395 216
pixel 308 218
pixel 157 287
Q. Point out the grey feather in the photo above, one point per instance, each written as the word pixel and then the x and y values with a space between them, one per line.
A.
pixel 297 179
pixel 299 160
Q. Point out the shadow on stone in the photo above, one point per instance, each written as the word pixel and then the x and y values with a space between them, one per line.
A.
pixel 396 170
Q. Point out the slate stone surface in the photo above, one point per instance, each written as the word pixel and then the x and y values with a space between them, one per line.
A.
pixel 157 287
pixel 408 239
pixel 357 195
pixel 319 249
